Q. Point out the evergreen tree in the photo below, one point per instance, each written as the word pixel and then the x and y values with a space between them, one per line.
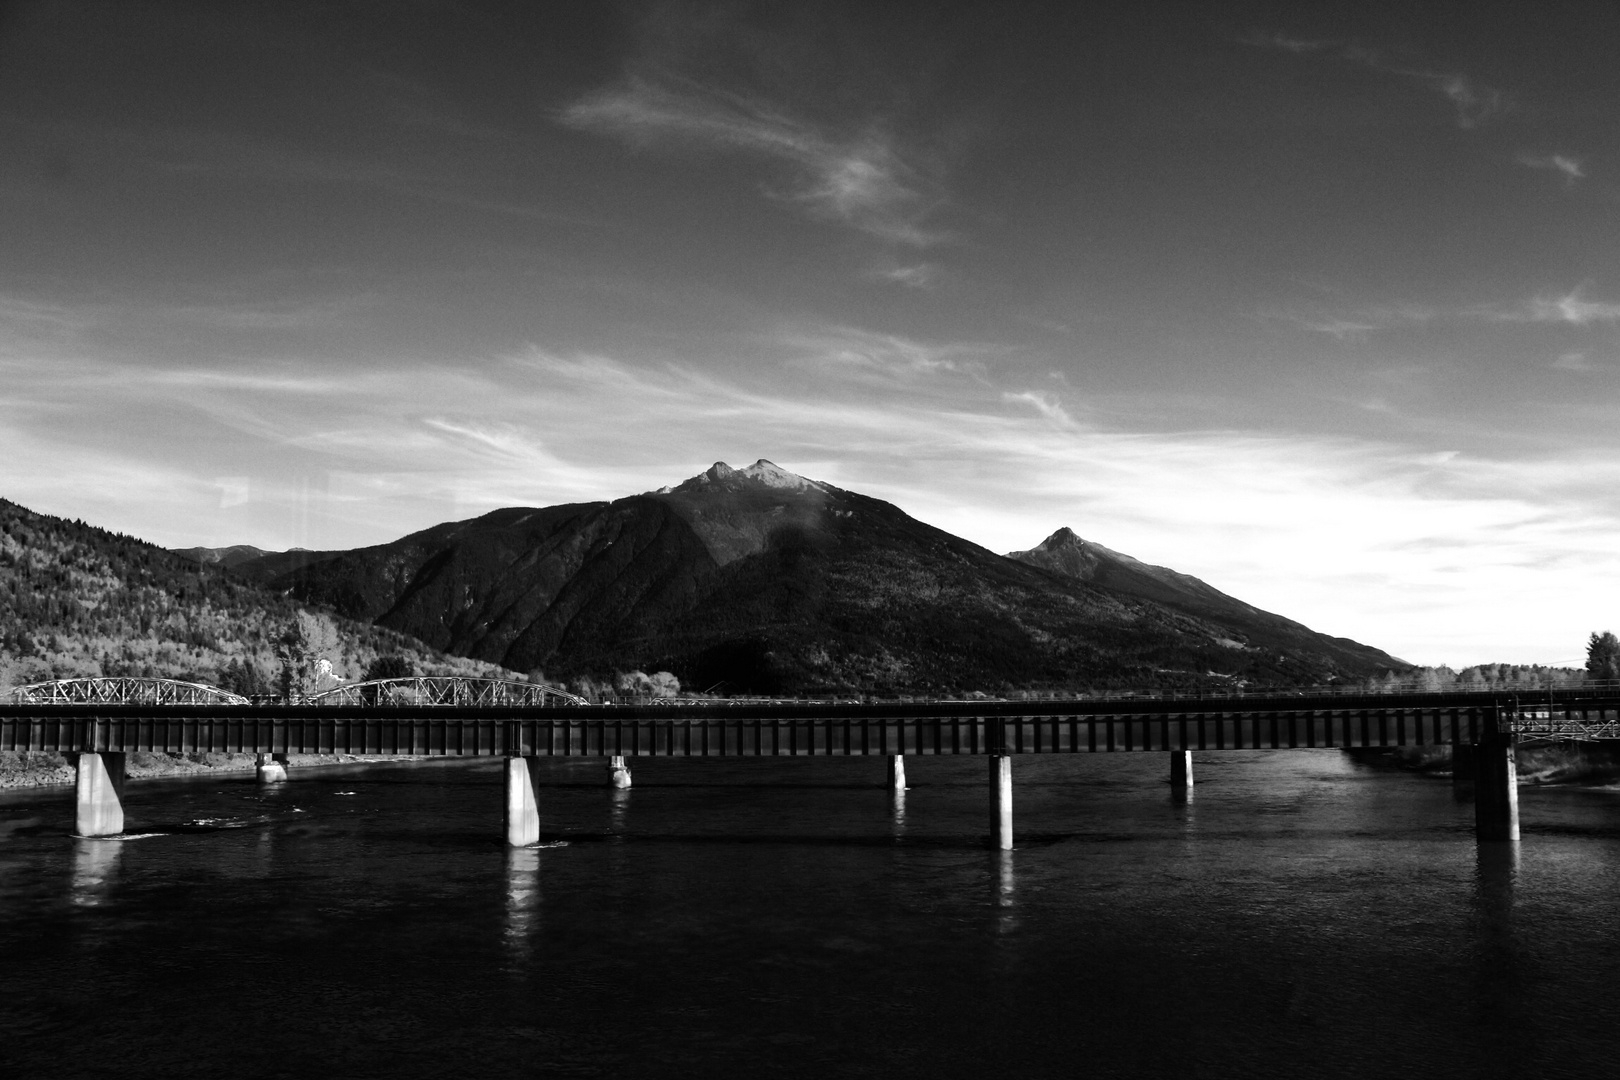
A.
pixel 1603 657
pixel 389 667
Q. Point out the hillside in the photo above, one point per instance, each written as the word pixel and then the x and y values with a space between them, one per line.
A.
pixel 757 580
pixel 78 600
pixel 1253 630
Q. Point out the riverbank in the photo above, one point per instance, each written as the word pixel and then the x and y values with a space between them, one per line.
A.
pixel 1555 763
pixel 24 769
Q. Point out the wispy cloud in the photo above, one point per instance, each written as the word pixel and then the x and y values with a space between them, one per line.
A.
pixel 1572 309
pixel 1044 403
pixel 1273 39
pixel 846 349
pixel 1350 323
pixel 1473 102
pixel 857 179
pixel 1573 361
pixel 1571 168
pixel 1340 533
pixel 924 275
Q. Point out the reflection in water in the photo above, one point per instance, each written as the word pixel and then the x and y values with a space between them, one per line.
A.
pixel 1496 875
pixel 522 904
pixel 1005 884
pixel 95 869
pixel 619 815
pixel 1500 980
pixel 897 808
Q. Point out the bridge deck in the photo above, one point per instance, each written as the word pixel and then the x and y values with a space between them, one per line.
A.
pixel 772 730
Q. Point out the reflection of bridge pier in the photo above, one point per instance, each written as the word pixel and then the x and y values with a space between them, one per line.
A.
pixel 1181 774
pixel 95 867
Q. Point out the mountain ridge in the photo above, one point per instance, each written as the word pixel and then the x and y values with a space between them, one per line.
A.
pixel 760 580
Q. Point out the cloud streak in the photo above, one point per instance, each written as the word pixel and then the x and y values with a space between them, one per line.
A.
pixel 1472 102
pixel 857 180
pixel 1571 309
pixel 1571 168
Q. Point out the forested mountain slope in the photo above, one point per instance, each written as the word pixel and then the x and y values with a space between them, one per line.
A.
pixel 757 580
pixel 78 600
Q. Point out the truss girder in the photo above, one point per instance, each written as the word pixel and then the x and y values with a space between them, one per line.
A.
pixel 123 690
pixel 1549 724
pixel 452 690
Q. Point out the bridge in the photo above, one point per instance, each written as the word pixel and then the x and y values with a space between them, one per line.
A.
pixel 516 721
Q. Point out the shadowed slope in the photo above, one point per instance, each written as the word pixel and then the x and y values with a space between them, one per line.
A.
pixel 761 581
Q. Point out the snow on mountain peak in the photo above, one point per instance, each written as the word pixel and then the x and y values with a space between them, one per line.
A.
pixel 765 473
pixel 772 475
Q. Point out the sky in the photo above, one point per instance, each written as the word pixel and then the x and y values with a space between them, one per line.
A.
pixel 1319 303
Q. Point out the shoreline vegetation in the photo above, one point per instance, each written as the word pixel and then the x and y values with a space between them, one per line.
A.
pixel 47 769
pixel 1557 763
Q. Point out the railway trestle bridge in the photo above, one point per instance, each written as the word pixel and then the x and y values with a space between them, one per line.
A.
pixel 98 722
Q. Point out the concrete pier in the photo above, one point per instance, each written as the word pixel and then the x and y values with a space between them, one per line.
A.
pixel 1181 769
pixel 522 801
pixel 100 788
pixel 897 773
pixel 272 768
pixel 618 773
pixel 1496 787
pixel 1001 821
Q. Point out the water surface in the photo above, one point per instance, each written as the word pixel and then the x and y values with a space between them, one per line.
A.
pixel 1300 915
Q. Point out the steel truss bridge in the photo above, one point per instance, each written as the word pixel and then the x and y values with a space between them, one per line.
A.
pixel 123 691
pixel 475 717
pixel 452 690
pixel 445 690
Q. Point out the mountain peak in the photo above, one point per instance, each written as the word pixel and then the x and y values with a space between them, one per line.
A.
pixel 773 475
pixel 762 472
pixel 1064 537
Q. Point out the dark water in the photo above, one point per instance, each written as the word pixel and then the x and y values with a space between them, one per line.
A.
pixel 1300 916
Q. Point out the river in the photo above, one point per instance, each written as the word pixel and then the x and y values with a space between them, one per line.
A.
pixel 1300 915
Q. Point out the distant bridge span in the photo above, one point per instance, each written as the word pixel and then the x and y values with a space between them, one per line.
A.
pixel 457 690
pixel 1488 723
pixel 122 690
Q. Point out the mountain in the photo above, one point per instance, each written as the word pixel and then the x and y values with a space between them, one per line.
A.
pixel 78 600
pixel 254 564
pixel 759 580
pixel 227 557
pixel 1066 554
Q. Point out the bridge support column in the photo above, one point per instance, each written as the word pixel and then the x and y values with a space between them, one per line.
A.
pixel 618 772
pixel 1496 787
pixel 272 768
pixel 897 774
pixel 1001 825
pixel 1181 771
pixel 522 801
pixel 100 789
